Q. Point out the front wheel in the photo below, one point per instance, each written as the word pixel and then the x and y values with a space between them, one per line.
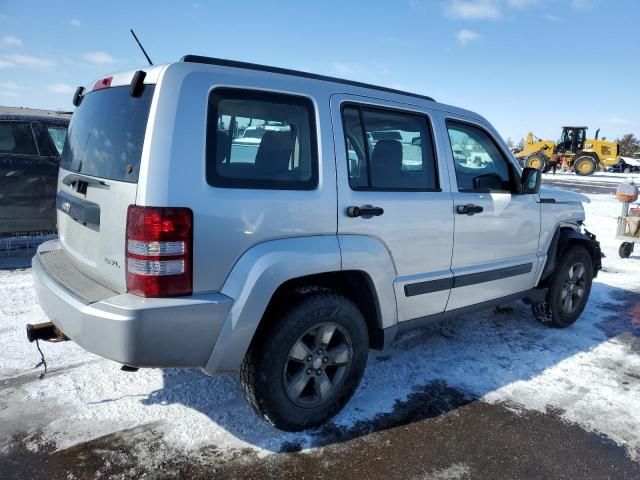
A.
pixel 568 290
pixel 302 370
pixel 585 165
pixel 537 161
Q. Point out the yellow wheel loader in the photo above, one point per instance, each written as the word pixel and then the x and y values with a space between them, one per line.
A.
pixel 573 151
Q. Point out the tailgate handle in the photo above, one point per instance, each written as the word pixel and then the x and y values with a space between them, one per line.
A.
pixel 83 211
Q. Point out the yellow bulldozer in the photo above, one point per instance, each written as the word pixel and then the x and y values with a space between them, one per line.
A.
pixel 573 151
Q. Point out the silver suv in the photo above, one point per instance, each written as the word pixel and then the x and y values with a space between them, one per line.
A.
pixel 354 213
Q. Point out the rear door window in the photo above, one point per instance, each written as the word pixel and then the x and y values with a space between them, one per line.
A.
pixel 261 140
pixel 17 138
pixel 389 150
pixel 106 134
pixel 58 135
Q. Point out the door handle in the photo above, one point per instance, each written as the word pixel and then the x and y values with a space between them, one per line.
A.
pixel 366 211
pixel 469 209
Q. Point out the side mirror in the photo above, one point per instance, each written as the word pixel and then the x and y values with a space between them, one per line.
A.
pixel 530 180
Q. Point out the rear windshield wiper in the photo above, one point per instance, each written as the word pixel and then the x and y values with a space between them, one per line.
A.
pixel 76 177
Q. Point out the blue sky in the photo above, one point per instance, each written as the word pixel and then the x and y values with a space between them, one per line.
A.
pixel 524 64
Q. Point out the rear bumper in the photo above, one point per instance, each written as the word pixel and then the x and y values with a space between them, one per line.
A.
pixel 136 331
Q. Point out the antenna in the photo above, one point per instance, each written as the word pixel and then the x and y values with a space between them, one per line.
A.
pixel 140 45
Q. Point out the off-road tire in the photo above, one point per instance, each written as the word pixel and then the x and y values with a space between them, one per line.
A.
pixel 585 165
pixel 537 158
pixel 550 312
pixel 262 370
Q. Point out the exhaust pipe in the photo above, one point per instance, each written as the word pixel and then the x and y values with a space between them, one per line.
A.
pixel 44 331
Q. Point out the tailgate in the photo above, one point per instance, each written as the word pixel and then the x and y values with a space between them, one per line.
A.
pixel 98 180
pixel 92 227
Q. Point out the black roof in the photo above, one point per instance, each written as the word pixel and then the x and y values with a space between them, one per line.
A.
pixel 33 114
pixel 285 71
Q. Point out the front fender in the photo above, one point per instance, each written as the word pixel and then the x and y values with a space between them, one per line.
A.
pixel 253 281
pixel 564 238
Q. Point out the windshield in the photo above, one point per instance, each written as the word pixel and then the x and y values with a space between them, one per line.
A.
pixel 106 134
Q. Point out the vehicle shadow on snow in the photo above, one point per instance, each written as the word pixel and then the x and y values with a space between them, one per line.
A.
pixel 423 374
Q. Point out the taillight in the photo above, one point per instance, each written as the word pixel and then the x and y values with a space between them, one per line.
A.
pixel 158 251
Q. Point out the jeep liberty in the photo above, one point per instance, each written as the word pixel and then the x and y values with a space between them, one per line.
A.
pixel 235 217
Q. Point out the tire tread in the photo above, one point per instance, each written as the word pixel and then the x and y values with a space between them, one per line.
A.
pixel 546 312
pixel 254 383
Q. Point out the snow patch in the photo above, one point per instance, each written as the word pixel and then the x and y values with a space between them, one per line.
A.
pixel 589 373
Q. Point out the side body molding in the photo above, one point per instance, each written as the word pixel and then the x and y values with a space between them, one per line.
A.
pixel 255 278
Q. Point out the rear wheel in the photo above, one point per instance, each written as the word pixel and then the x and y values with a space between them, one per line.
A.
pixel 585 165
pixel 627 170
pixel 625 250
pixel 302 370
pixel 568 290
pixel 537 161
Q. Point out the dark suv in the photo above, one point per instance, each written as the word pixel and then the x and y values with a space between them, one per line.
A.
pixel 31 142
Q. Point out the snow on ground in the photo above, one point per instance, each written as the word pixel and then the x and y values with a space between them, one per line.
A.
pixel 597 177
pixel 589 374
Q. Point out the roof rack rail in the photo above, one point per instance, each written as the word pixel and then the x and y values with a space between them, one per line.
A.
pixel 286 71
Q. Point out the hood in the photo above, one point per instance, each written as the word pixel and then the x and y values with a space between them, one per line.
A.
pixel 559 195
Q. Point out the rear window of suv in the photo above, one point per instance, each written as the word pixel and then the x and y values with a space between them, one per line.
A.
pixel 261 140
pixel 106 134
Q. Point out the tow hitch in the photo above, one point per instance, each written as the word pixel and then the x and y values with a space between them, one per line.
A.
pixel 45 331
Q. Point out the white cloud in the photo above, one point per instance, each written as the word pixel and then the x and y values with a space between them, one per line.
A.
pixel 343 69
pixel 371 71
pixel 60 88
pixel 9 41
pixel 74 22
pixel 19 60
pixel 474 9
pixel 9 85
pixel 552 18
pixel 100 58
pixel 9 89
pixel 465 36
pixel 522 3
